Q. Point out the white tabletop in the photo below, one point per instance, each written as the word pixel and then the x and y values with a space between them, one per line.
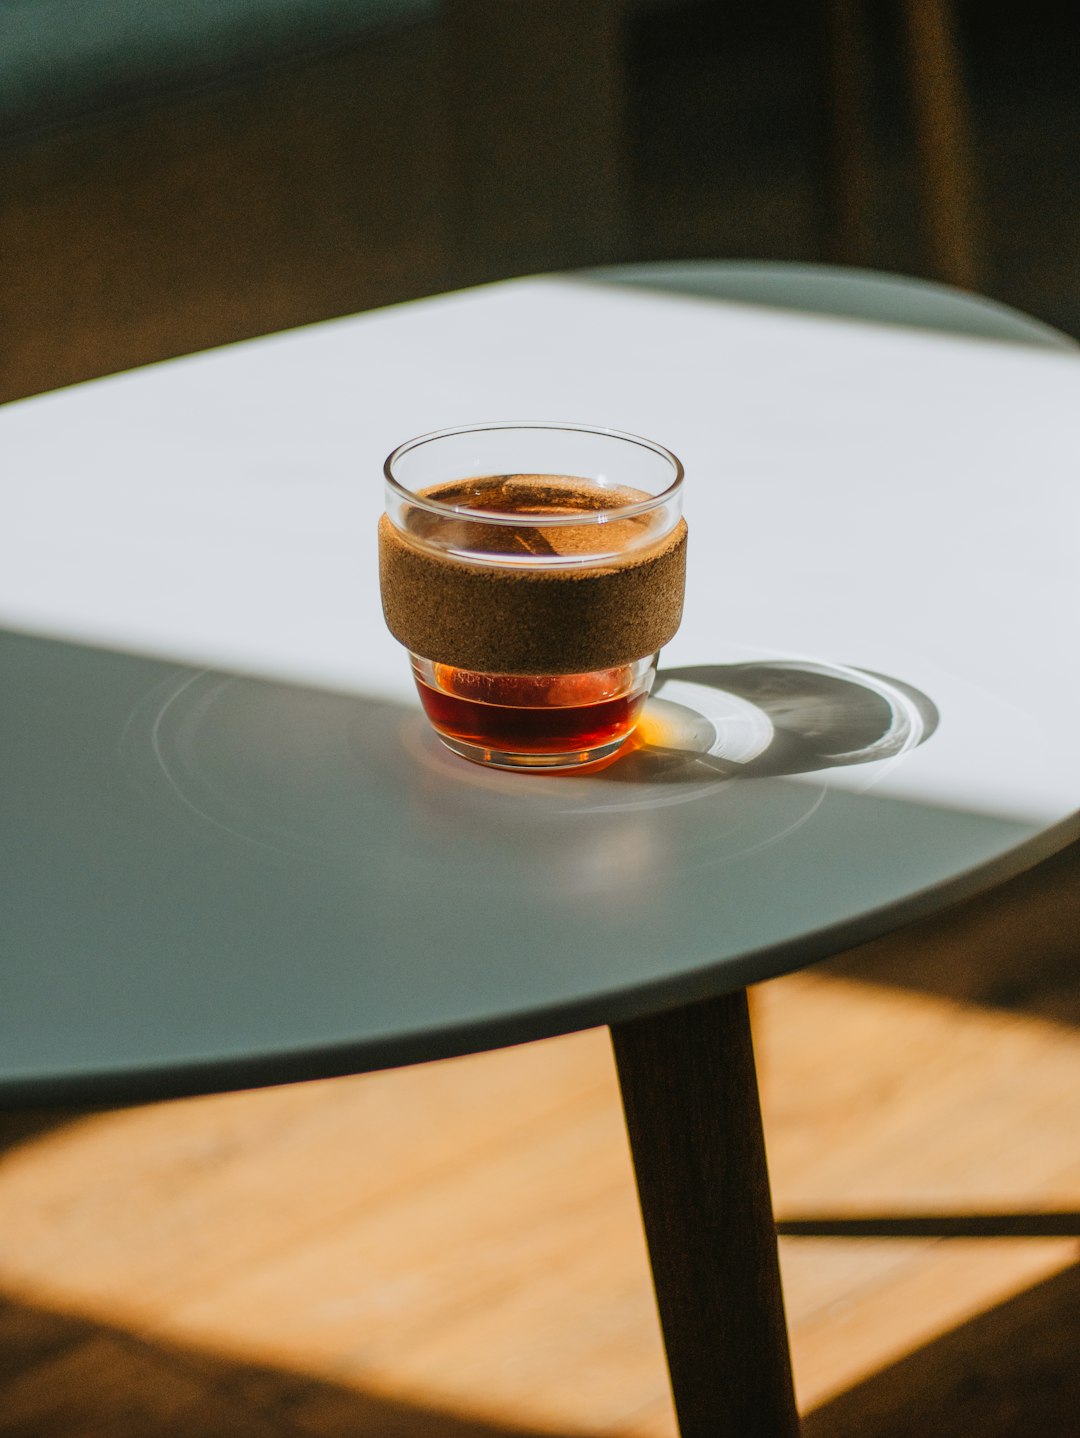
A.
pixel 859 497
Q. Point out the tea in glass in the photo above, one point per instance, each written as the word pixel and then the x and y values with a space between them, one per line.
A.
pixel 533 600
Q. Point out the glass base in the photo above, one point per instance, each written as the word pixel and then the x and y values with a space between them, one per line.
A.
pixel 548 722
pixel 538 763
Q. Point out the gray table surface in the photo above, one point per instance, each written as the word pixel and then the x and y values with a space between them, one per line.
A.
pixel 232 852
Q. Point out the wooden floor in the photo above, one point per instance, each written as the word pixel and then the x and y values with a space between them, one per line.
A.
pixel 455 1250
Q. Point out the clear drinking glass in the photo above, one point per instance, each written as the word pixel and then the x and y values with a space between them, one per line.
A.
pixel 532 571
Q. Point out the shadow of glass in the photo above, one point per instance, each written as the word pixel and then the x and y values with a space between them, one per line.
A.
pixel 1011 1370
pixel 773 718
pixel 141 1386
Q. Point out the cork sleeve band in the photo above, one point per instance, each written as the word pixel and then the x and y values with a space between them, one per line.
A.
pixel 508 620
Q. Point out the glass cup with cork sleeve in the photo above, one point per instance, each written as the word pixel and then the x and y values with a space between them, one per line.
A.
pixel 533 571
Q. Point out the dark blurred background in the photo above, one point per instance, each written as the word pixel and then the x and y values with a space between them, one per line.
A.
pixel 175 174
pixel 800 132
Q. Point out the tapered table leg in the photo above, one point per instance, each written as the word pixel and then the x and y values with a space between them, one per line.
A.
pixel 690 1095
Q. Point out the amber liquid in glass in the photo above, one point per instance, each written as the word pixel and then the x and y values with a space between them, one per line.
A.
pixel 526 714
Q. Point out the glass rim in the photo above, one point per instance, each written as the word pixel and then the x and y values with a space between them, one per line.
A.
pixel 491 516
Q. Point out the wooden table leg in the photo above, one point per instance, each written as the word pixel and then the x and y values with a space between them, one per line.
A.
pixel 690 1095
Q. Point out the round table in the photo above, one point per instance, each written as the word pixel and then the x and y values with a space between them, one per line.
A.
pixel 234 854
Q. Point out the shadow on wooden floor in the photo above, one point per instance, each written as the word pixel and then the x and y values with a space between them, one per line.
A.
pixel 65 1377
pixel 1017 948
pixel 18 1126
pixel 1010 1371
